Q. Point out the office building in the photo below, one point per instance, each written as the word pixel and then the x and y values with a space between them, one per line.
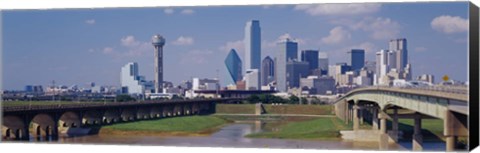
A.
pixel 323 63
pixel 268 70
pixel 234 66
pixel 204 84
pixel 357 59
pixel 427 78
pixel 252 43
pixel 310 56
pixel 321 85
pixel 287 51
pixel 295 71
pixel 252 79
pixel 158 42
pixel 399 46
pixel 131 80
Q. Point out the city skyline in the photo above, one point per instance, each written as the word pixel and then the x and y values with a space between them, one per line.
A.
pixel 98 58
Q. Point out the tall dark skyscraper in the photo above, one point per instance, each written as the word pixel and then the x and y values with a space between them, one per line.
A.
pixel 252 45
pixel 357 59
pixel 268 70
pixel 234 65
pixel 310 56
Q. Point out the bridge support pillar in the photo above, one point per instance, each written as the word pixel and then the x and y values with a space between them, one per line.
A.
pixel 417 133
pixel 383 136
pixel 395 125
pixel 450 142
pixel 356 120
pixel 374 118
pixel 362 115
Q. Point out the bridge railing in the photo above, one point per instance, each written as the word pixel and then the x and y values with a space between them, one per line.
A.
pixel 447 89
pixel 103 104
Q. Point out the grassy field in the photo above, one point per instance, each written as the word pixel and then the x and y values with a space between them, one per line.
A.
pixel 316 129
pixel 299 109
pixel 235 108
pixel 33 103
pixel 187 125
pixel 275 109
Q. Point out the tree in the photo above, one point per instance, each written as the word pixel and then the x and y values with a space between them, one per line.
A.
pixel 253 99
pixel 293 99
pixel 124 98
pixel 304 100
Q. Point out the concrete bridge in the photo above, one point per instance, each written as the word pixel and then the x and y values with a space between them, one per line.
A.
pixel 379 104
pixel 45 121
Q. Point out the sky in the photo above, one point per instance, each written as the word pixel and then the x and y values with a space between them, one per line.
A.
pixel 79 46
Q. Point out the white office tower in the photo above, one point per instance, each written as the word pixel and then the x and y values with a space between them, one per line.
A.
pixel 252 79
pixel 158 42
pixel 129 78
pixel 399 46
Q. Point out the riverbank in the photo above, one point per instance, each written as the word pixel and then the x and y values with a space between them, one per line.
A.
pixel 314 129
pixel 176 126
pixel 275 109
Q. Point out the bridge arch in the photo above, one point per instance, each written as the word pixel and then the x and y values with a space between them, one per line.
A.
pixel 112 116
pixel 12 127
pixel 43 125
pixel 92 117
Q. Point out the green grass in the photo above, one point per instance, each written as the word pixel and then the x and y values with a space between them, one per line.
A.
pixel 316 129
pixel 275 109
pixel 33 103
pixel 177 124
pixel 235 108
pixel 299 109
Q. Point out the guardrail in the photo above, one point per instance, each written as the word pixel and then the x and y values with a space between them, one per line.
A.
pixel 104 104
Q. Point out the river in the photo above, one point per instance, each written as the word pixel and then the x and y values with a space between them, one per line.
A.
pixel 232 135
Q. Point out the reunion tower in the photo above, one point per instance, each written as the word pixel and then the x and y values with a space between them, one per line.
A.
pixel 158 41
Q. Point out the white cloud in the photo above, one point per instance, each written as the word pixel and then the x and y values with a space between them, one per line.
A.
pixel 187 11
pixel 237 45
pixel 450 24
pixel 108 50
pixel 282 38
pixel 337 35
pixel 129 41
pixel 169 11
pixel 196 57
pixel 381 28
pixel 338 9
pixel 184 40
pixel 90 22
pixel 420 49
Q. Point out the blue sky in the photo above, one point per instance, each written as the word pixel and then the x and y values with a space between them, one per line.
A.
pixel 78 46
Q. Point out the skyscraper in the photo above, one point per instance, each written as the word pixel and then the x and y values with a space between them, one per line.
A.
pixel 295 71
pixel 288 51
pixel 268 70
pixel 310 56
pixel 158 41
pixel 323 63
pixel 252 45
pixel 400 47
pixel 357 59
pixel 130 79
pixel 234 65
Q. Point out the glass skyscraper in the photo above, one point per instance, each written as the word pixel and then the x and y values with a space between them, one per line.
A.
pixel 268 70
pixel 323 63
pixel 357 59
pixel 252 45
pixel 234 66
pixel 310 56
pixel 288 51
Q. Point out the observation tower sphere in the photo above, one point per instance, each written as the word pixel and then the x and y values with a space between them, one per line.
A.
pixel 158 40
